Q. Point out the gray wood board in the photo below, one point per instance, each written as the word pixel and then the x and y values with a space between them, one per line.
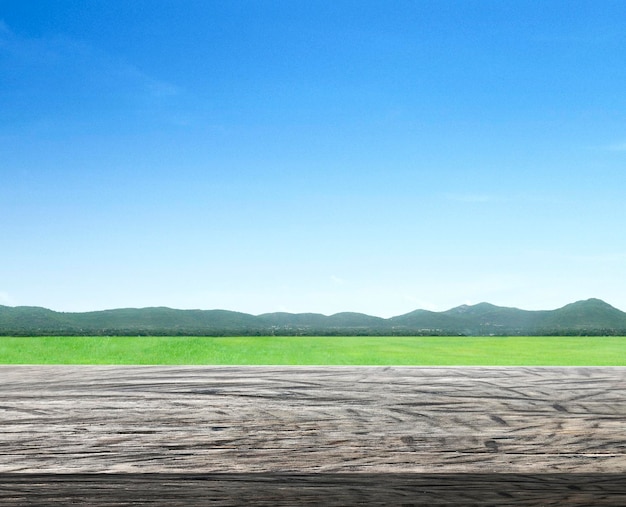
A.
pixel 311 420
pixel 328 490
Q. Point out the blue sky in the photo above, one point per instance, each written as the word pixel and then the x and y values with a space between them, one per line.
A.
pixel 318 156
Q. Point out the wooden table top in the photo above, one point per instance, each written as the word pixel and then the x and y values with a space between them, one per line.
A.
pixel 280 425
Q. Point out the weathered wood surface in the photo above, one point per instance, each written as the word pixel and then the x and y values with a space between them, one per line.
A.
pixel 184 490
pixel 274 428
pixel 303 419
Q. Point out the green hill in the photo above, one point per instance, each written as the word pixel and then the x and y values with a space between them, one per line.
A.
pixel 590 317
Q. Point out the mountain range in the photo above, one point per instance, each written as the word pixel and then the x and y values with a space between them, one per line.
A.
pixel 588 317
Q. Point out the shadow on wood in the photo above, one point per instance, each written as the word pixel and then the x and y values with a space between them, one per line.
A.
pixel 314 489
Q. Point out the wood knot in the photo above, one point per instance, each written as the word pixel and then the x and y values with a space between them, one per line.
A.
pixel 498 419
pixel 491 445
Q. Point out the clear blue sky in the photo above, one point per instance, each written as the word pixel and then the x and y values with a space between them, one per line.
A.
pixel 318 156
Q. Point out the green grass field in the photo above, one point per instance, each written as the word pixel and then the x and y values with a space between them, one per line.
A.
pixel 269 350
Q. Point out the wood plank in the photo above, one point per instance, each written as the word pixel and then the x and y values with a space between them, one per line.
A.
pixel 305 419
pixel 296 427
pixel 183 490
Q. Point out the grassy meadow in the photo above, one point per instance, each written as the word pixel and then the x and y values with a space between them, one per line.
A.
pixel 270 350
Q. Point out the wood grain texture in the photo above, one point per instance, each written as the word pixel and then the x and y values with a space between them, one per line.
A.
pixel 60 419
pixel 271 432
pixel 183 490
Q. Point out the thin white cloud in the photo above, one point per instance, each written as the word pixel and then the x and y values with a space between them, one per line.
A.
pixel 4 29
pixel 600 258
pixel 478 198
pixel 616 147
pixel 89 67
pixel 128 72
pixel 470 198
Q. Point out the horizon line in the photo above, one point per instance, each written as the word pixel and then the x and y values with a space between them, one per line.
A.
pixel 309 313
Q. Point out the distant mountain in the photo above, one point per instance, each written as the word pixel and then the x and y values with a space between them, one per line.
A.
pixel 425 321
pixel 319 321
pixel 589 317
pixel 592 314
